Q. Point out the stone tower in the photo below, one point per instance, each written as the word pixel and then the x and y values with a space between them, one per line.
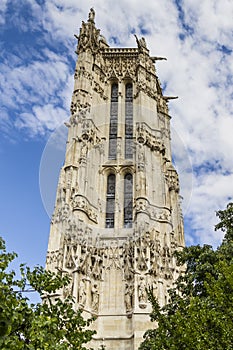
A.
pixel 117 217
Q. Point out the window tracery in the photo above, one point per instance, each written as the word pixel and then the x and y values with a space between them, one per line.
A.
pixel 110 201
pixel 113 122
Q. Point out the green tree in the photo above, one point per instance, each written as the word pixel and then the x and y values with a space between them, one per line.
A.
pixel 53 324
pixel 199 314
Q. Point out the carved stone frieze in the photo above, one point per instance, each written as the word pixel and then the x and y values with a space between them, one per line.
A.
pixel 80 202
pixel 120 67
pixel 154 212
pixel 144 259
pixel 149 137
pixel 162 214
pixel 88 131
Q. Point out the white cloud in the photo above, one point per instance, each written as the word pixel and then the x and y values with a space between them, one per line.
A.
pixel 37 92
pixel 3 9
pixel 42 119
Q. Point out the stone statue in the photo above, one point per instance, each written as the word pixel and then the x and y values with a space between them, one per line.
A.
pixel 128 297
pixel 95 297
pixel 91 16
pixel 142 296
pixel 82 293
pixel 141 43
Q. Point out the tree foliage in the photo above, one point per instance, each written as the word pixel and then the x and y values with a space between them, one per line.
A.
pixel 199 314
pixel 53 324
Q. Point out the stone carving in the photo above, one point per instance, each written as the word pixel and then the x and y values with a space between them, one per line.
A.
pixel 95 297
pixel 70 253
pixel 149 137
pixel 112 258
pixel 172 179
pixel 148 90
pixel 142 295
pixel 141 44
pixel 162 106
pixel 97 88
pixel 78 111
pixel 141 260
pixel 80 202
pixel 128 297
pixel 81 72
pixel 166 133
pixel 140 156
pixel 82 293
pixel 88 131
pixel 120 67
pixel 147 258
pixel 88 39
pixel 97 266
pixel 68 290
pixel 128 264
pixel 154 212
pixel 54 259
pixel 91 15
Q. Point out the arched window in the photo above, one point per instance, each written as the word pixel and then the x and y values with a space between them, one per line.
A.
pixel 128 200
pixel 110 200
pixel 129 121
pixel 113 122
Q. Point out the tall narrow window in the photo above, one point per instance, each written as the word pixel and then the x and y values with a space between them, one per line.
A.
pixel 110 200
pixel 113 122
pixel 129 121
pixel 128 200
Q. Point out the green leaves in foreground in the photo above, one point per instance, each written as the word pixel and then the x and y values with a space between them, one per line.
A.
pixel 200 312
pixel 53 324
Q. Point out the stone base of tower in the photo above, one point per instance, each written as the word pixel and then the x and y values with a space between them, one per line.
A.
pixel 119 332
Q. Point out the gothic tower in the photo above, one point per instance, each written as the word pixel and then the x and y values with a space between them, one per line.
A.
pixel 117 218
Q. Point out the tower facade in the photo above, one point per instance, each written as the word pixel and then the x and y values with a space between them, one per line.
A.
pixel 117 218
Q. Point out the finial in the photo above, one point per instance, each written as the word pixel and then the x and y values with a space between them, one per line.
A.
pixel 91 16
pixel 141 43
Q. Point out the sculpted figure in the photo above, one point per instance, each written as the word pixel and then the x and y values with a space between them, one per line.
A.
pixel 91 16
pixel 128 297
pixel 95 297
pixel 142 296
pixel 82 293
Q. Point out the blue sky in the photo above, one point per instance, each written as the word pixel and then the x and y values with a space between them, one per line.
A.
pixel 36 80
